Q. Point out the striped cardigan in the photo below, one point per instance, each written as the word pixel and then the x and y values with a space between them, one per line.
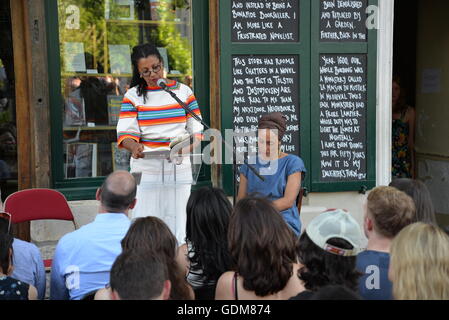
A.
pixel 160 119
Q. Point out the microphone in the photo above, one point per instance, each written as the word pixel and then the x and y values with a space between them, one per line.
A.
pixel 162 83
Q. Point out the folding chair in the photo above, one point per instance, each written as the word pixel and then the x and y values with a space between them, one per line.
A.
pixel 38 204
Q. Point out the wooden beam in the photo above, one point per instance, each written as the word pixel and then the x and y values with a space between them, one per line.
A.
pixel 214 50
pixel 39 98
pixel 22 72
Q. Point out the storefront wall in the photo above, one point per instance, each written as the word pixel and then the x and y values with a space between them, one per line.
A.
pixel 85 210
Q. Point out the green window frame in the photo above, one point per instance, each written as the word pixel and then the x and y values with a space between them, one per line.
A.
pixel 85 188
pixel 308 49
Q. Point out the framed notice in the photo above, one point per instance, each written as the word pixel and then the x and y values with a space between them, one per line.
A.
pixel 164 54
pixel 81 160
pixel 120 158
pixel 74 111
pixel 119 9
pixel 114 107
pixel 74 58
pixel 120 59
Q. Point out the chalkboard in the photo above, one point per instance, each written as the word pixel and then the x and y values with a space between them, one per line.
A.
pixel 343 20
pixel 265 21
pixel 262 84
pixel 343 111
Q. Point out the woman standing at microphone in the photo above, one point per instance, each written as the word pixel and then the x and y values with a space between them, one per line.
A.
pixel 149 120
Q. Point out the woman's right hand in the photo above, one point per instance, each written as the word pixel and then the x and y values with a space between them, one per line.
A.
pixel 137 151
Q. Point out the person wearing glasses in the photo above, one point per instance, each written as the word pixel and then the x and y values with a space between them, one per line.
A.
pixel 149 120
pixel 28 264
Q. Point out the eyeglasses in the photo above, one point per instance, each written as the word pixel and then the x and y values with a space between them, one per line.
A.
pixel 7 216
pixel 156 69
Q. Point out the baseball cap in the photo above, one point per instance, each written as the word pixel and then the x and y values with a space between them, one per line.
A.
pixel 336 224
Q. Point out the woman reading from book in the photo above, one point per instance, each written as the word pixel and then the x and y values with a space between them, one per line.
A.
pixel 149 120
pixel 283 171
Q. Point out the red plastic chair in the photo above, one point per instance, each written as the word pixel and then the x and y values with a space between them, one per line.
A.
pixel 38 204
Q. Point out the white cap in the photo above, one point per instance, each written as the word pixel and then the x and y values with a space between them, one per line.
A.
pixel 336 224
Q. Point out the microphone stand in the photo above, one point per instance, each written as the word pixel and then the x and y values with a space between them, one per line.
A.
pixel 183 105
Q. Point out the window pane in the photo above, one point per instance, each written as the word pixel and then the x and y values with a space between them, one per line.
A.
pixel 96 39
pixel 8 130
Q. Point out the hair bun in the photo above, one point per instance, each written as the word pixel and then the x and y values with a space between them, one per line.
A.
pixel 274 120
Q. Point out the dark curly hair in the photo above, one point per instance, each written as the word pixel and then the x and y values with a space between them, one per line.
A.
pixel 208 213
pixel 6 241
pixel 142 51
pixel 321 268
pixel 262 246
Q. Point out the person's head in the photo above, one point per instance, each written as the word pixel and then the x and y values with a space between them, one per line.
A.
pixel 328 249
pixel 420 194
pixel 8 141
pixel 419 263
pixel 117 193
pixel 271 130
pixel 148 67
pixel 335 292
pixel 6 251
pixel 5 222
pixel 139 275
pixel 208 212
pixel 151 234
pixel 262 246
pixel 387 211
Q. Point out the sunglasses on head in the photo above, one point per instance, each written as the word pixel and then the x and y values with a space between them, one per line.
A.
pixel 7 216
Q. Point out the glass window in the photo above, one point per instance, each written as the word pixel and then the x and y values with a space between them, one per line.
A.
pixel 96 38
pixel 8 130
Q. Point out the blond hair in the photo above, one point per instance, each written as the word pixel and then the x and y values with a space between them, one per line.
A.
pixel 390 209
pixel 419 265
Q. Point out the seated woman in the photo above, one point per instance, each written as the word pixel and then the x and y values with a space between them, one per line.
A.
pixel 282 172
pixel 151 234
pixel 10 288
pixel 205 256
pixel 263 249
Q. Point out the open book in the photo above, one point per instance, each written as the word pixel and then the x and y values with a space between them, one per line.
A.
pixel 181 141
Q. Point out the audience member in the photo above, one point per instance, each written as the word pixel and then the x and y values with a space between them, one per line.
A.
pixel 83 258
pixel 28 264
pixel 335 292
pixel 262 247
pixel 139 275
pixel 420 194
pixel 387 211
pixel 11 288
pixel 419 267
pixel 327 251
pixel 151 234
pixel 205 256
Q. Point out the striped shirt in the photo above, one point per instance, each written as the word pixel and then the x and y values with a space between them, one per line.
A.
pixel 160 119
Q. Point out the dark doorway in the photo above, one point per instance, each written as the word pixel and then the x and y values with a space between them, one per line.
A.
pixel 8 129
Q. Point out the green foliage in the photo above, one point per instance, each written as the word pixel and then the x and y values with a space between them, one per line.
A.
pixel 179 48
pixel 96 33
